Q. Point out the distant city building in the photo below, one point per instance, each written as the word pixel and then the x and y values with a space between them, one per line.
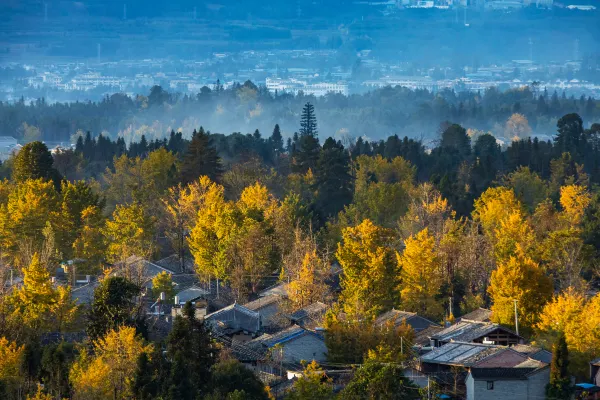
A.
pixel 581 7
pixel 296 86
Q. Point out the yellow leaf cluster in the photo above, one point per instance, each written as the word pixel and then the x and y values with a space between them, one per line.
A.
pixel 109 372
pixel 521 279
pixel 12 358
pixel 574 199
pixel 421 278
pixel 370 270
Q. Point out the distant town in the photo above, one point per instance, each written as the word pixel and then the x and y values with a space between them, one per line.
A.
pixel 294 71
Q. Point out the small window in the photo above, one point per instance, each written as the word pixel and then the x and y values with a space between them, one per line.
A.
pixel 490 385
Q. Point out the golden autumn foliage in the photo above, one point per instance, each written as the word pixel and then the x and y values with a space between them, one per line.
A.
pixel 521 279
pixel 38 304
pixel 493 206
pixel 129 233
pixel 574 199
pixel 235 241
pixel 107 373
pixel 369 278
pixel 90 244
pixel 31 206
pixel 421 277
pixel 10 366
pixel 578 317
pixel 310 285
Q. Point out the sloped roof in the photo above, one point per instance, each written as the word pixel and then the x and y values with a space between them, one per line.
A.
pixel 235 317
pixel 260 346
pixel 173 263
pixel 501 373
pixel 479 315
pixel 531 363
pixel 467 331
pixel 423 338
pixel 460 353
pixel 262 302
pixel 596 362
pixel 312 310
pixel 279 289
pixel 190 294
pixel 398 316
pixel 533 352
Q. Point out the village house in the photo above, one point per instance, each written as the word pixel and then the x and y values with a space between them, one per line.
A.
pixel 476 332
pixel 397 317
pixel 268 308
pixel 507 383
pixel 310 316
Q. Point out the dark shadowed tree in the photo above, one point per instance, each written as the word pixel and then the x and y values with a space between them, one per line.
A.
pixel 201 158
pixel 333 181
pixel 113 306
pixel 560 383
pixel 34 161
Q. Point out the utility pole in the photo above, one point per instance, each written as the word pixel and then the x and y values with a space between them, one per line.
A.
pixel 195 14
pixel 124 11
pixel 45 12
pixel 401 344
pixel 516 317
pixel 99 51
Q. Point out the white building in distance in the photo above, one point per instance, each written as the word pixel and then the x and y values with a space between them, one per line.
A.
pixel 296 86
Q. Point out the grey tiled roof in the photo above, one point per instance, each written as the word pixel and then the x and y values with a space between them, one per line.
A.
pixel 480 315
pixel 531 363
pixel 467 331
pixel 262 302
pixel 423 338
pixel 501 373
pixel 279 289
pixel 190 294
pixel 533 352
pixel 460 353
pixel 235 318
pixel 173 264
pixel 313 310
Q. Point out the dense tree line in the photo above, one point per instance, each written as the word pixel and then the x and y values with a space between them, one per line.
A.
pixel 245 107
pixel 439 231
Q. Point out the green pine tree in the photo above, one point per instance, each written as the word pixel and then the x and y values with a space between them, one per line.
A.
pixel 560 386
pixel 200 159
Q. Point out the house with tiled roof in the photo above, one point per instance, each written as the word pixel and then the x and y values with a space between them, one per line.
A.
pixel 477 332
pixel 456 354
pixel 478 315
pixel 290 346
pixel 309 316
pixel 507 383
pixel 269 309
pixel 397 317
pixel 234 319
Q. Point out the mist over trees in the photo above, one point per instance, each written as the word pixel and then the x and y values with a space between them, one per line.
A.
pixel 245 108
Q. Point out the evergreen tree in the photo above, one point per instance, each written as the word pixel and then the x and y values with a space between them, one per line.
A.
pixel 333 181
pixel 560 382
pixel 190 342
pixel 55 364
pixel 200 159
pixel 180 386
pixel 305 149
pixel 276 142
pixel 34 161
pixel 570 137
pixel 308 121
pixel 113 306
